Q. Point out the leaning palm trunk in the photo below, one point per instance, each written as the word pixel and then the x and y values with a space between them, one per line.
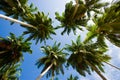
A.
pixel 17 21
pixel 45 71
pixel 112 65
pixel 96 70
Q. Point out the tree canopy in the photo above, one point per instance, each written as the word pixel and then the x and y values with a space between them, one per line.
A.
pixel 85 57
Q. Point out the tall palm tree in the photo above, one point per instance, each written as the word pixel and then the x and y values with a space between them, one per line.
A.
pixel 43 25
pixel 75 16
pixel 16 9
pixel 12 73
pixel 87 57
pixel 72 78
pixel 72 18
pixel 11 50
pixel 107 25
pixel 38 25
pixel 53 60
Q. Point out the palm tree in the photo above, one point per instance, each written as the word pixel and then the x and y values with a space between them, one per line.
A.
pixel 16 8
pixel 87 56
pixel 53 61
pixel 75 15
pixel 107 25
pixel 12 73
pixel 11 50
pixel 72 78
pixel 43 25
pixel 38 25
pixel 72 17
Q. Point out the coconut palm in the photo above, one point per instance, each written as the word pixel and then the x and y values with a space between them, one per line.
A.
pixel 11 73
pixel 43 25
pixel 87 57
pixel 38 25
pixel 16 8
pixel 72 78
pixel 53 60
pixel 107 25
pixel 74 16
pixel 11 50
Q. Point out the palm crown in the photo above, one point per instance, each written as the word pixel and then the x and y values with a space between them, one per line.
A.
pixel 107 25
pixel 43 26
pixel 85 57
pixel 54 56
pixel 11 50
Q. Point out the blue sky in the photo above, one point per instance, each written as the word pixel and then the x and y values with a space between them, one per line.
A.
pixel 30 71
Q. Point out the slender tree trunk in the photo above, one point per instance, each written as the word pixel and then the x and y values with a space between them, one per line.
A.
pixel 112 65
pixel 17 21
pixel 45 71
pixel 96 70
pixel 76 8
pixel 52 75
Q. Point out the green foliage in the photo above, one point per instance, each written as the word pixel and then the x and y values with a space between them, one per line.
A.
pixel 70 20
pixel 75 16
pixel 95 6
pixel 72 78
pixel 11 73
pixel 53 55
pixel 106 26
pixel 11 50
pixel 43 25
pixel 83 53
pixel 87 56
pixel 16 8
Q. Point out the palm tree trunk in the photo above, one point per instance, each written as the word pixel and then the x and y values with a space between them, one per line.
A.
pixel 112 65
pixel 45 71
pixel 17 21
pixel 76 8
pixel 52 75
pixel 96 70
